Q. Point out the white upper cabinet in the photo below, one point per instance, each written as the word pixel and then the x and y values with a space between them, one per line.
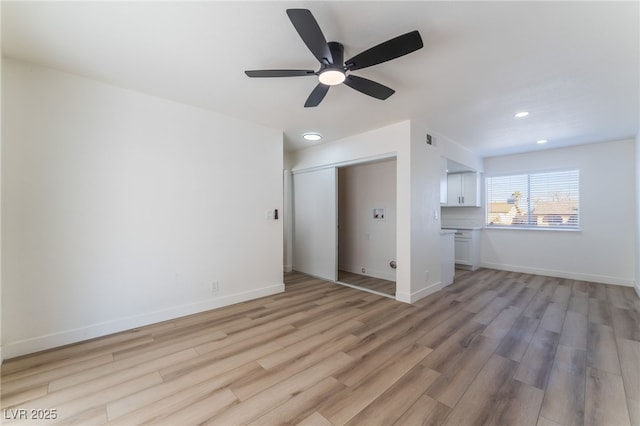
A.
pixel 463 189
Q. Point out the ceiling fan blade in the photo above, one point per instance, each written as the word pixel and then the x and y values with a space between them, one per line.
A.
pixel 311 34
pixel 317 95
pixel 383 52
pixel 278 73
pixel 369 87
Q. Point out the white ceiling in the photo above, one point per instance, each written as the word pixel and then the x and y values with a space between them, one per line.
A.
pixel 573 65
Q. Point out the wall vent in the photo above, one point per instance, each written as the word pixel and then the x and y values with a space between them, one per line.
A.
pixel 429 139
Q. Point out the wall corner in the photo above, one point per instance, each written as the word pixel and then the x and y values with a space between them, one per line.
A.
pixel 637 205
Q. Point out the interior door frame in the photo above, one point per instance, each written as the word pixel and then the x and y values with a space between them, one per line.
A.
pixel 335 165
pixel 393 157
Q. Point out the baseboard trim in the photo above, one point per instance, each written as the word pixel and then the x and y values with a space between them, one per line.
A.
pixel 603 279
pixel 636 286
pixel 420 294
pixel 288 268
pixel 370 272
pixel 40 343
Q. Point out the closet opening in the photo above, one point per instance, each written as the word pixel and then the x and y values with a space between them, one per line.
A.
pixel 366 221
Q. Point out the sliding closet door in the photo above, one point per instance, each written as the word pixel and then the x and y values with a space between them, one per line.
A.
pixel 314 214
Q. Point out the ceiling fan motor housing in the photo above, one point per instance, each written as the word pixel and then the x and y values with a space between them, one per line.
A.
pixel 333 73
pixel 337 51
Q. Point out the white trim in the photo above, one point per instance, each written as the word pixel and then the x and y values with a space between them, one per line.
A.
pixel 530 228
pixel 603 279
pixel 66 337
pixel 636 286
pixel 383 275
pixel 288 268
pixel 420 294
pixel 362 160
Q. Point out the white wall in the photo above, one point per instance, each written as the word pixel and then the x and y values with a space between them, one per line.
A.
pixel 469 216
pixel 605 248
pixel 375 144
pixel 418 194
pixel 387 142
pixel 121 209
pixel 425 212
pixel 637 258
pixel 1 354
pixel 364 242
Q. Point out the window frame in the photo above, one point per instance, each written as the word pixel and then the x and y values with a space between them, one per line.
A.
pixel 525 227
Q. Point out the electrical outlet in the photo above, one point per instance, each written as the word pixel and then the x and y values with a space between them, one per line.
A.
pixel 214 286
pixel 363 271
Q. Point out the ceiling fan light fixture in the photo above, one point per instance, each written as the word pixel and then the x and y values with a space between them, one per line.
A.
pixel 332 77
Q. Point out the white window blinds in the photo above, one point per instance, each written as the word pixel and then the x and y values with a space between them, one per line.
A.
pixel 536 200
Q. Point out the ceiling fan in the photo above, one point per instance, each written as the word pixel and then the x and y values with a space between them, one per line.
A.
pixel 333 68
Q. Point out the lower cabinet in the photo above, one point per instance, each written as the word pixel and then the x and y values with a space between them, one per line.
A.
pixel 467 249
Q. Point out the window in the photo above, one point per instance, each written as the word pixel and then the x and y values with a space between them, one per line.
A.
pixel 535 200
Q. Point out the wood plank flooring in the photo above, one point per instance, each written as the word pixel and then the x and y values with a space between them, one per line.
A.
pixel 494 348
pixel 368 283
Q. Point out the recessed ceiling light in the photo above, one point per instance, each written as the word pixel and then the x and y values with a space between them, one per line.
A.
pixel 541 141
pixel 312 136
pixel 521 114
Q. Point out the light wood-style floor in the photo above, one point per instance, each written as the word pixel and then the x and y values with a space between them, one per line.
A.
pixel 493 348
pixel 369 283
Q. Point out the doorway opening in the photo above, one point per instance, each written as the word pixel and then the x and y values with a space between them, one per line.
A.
pixel 367 226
